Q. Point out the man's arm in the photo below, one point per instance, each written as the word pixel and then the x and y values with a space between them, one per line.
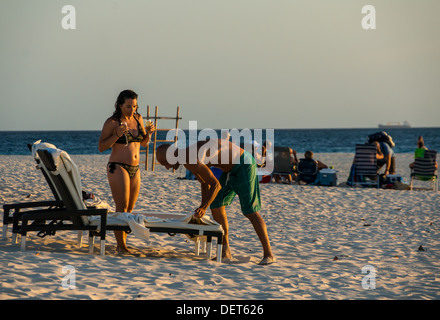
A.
pixel 321 165
pixel 388 164
pixel 387 153
pixel 209 184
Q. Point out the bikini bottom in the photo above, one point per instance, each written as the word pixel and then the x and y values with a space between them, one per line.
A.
pixel 131 170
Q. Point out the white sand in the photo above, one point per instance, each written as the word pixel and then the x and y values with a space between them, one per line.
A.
pixel 308 227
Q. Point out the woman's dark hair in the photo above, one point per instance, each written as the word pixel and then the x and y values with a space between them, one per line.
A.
pixel 420 142
pixel 126 94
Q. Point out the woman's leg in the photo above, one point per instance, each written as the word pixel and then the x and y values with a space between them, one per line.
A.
pixel 135 184
pixel 120 186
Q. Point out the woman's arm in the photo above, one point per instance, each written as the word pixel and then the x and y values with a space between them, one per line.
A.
pixel 110 133
pixel 147 133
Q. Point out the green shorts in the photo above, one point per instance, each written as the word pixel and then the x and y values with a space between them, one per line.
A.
pixel 243 181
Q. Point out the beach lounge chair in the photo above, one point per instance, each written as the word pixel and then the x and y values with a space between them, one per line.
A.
pixel 364 168
pixel 307 170
pixel 282 161
pixel 424 169
pixel 76 216
pixel 9 209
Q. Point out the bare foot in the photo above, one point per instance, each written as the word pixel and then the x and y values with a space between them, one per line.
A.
pixel 120 250
pixel 267 260
pixel 226 253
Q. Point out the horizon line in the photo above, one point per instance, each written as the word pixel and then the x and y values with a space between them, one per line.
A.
pixel 339 128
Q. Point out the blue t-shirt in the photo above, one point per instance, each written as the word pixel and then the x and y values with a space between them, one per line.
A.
pixel 386 149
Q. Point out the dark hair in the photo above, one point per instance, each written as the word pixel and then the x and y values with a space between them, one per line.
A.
pixel 308 154
pixel 420 142
pixel 126 94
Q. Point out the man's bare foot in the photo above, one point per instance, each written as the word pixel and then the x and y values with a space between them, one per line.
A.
pixel 267 260
pixel 226 253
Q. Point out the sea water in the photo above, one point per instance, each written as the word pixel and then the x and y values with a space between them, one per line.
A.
pixel 316 140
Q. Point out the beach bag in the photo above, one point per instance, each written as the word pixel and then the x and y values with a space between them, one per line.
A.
pixel 381 136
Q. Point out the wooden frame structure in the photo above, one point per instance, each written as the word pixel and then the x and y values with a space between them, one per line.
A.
pixel 154 139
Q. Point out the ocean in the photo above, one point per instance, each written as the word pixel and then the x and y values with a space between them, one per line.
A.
pixel 316 140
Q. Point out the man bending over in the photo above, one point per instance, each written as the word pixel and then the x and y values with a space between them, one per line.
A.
pixel 239 178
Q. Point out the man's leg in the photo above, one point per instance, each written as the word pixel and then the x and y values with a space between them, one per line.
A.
pixel 393 165
pixel 261 230
pixel 219 215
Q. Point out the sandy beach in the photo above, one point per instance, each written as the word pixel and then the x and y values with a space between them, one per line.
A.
pixel 323 239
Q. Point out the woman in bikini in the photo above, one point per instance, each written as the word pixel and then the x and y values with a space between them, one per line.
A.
pixel 124 132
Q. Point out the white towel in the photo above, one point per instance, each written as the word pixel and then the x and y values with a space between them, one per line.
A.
pixel 40 145
pixel 97 203
pixel 136 223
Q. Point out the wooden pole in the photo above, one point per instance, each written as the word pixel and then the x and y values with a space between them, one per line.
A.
pixel 153 162
pixel 177 122
pixel 148 145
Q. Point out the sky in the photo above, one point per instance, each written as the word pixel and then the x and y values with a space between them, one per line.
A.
pixel 227 64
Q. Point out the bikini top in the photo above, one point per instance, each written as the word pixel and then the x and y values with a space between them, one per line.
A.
pixel 129 137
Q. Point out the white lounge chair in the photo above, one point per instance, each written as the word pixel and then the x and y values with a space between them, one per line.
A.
pixel 75 215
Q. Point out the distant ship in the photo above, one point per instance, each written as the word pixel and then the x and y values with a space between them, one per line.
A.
pixel 395 125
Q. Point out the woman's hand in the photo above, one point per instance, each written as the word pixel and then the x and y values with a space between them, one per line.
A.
pixel 122 129
pixel 151 128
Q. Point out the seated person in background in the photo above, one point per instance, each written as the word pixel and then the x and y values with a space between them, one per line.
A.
pixel 294 162
pixel 308 173
pixel 309 155
pixel 420 151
